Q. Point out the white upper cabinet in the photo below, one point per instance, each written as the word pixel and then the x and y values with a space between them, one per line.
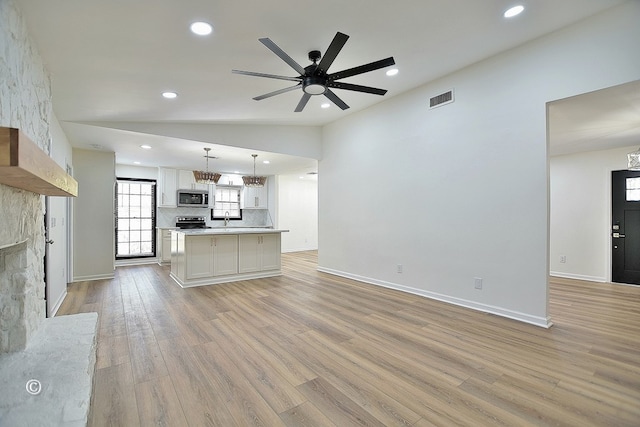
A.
pixel 230 179
pixel 256 197
pixel 167 188
pixel 186 181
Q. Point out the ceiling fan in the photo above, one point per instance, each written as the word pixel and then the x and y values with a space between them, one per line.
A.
pixel 314 79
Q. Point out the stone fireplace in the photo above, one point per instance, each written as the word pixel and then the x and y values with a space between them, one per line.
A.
pixel 46 365
pixel 21 296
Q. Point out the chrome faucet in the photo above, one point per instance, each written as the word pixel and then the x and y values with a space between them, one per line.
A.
pixel 226 218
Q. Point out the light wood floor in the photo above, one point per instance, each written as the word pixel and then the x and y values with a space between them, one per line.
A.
pixel 311 349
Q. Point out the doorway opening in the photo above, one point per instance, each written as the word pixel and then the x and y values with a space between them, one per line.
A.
pixel 135 218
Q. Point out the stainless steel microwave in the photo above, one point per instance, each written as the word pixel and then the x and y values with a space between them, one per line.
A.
pixel 193 198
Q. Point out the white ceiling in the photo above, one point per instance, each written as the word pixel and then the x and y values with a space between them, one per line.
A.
pixel 110 61
pixel 607 118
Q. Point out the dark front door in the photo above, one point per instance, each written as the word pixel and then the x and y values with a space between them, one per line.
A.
pixel 625 230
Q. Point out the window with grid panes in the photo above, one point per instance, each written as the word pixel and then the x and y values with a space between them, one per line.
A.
pixel 135 218
pixel 633 189
pixel 227 203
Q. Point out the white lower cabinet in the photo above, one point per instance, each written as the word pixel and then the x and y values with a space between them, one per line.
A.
pixel 163 244
pixel 258 252
pixel 225 255
pixel 200 262
pixel 210 256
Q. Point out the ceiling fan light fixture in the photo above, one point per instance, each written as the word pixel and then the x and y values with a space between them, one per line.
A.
pixel 206 177
pixel 314 85
pixel 253 180
pixel 315 79
pixel 633 160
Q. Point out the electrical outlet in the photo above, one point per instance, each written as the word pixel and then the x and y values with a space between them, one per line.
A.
pixel 399 268
pixel 477 282
pixel 563 259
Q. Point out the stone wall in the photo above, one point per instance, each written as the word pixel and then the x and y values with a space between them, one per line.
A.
pixel 25 103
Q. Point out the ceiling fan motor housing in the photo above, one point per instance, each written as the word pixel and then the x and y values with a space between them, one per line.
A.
pixel 314 56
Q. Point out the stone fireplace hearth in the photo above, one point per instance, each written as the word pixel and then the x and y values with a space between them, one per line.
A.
pixel 46 365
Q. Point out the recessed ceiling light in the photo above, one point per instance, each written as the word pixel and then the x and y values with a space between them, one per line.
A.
pixel 392 72
pixel 169 95
pixel 136 163
pixel 266 162
pixel 515 10
pixel 325 105
pixel 201 28
pixel 146 147
pixel 236 171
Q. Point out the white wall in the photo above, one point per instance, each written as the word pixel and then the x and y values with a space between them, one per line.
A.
pixel 93 232
pixel 139 172
pixel 580 225
pixel 59 222
pixel 298 212
pixel 461 191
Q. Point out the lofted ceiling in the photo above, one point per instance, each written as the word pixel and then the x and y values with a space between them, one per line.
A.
pixel 110 61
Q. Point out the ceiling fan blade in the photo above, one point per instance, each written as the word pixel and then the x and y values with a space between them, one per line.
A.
pixel 277 92
pixel 281 53
pixel 303 101
pixel 271 76
pixel 332 51
pixel 357 88
pixel 334 98
pixel 362 69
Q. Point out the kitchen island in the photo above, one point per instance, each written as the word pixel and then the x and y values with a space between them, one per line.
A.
pixel 219 255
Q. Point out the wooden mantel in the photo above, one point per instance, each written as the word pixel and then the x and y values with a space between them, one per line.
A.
pixel 24 165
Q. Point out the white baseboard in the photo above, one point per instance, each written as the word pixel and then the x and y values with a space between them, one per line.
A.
pixel 95 277
pixel 499 311
pixel 135 261
pixel 289 250
pixel 225 279
pixel 58 303
pixel 578 277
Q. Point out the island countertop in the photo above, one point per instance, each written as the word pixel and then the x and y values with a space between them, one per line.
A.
pixel 228 230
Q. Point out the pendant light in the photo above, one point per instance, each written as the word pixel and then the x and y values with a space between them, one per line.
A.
pixel 633 160
pixel 206 177
pixel 254 181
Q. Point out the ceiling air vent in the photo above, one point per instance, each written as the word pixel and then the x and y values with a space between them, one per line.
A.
pixel 442 99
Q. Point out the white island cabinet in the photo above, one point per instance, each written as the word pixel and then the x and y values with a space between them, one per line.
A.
pixel 211 256
pixel 258 252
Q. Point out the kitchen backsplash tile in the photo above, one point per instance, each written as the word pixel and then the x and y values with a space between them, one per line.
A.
pixel 166 217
